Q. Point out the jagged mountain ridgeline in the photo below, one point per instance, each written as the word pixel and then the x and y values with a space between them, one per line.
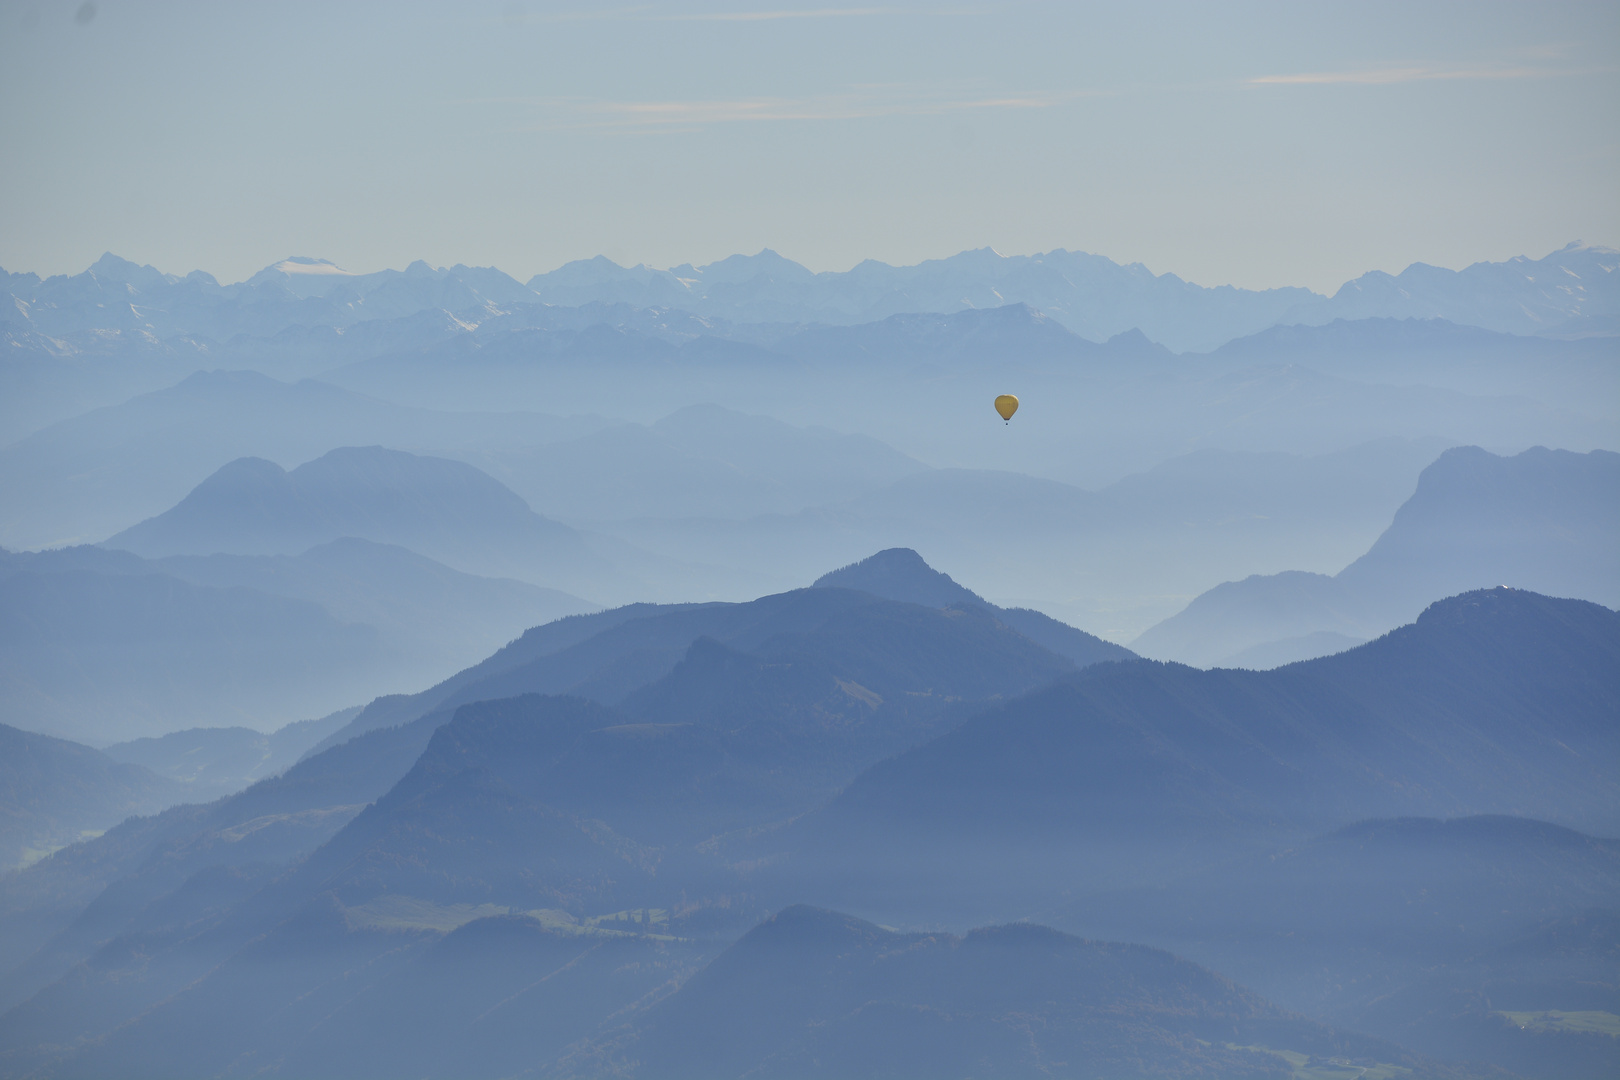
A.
pixel 1090 294
pixel 672 674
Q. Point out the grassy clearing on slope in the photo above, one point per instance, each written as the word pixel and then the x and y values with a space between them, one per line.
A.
pixel 409 913
pixel 1307 1067
pixel 1601 1023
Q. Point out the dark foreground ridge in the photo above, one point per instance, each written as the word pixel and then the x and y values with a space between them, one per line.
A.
pixel 561 860
pixel 1497 701
pixel 813 993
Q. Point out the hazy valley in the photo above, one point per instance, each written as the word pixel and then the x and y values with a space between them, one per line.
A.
pixel 684 673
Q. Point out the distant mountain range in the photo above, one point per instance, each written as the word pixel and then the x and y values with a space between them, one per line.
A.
pixel 1433 352
pixel 85 478
pixel 1127 555
pixel 887 375
pixel 1544 520
pixel 116 294
pixel 1097 298
pixel 723 503
pixel 1570 291
pixel 726 502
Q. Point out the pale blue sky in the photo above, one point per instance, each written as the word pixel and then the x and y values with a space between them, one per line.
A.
pixel 1249 144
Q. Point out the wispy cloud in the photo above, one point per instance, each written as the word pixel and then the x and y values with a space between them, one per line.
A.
pixel 1390 76
pixel 767 16
pixel 558 114
pixel 648 14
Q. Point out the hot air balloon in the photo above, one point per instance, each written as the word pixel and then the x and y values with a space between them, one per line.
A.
pixel 1006 405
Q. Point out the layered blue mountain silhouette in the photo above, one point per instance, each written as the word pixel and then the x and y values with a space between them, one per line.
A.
pixel 377 789
pixel 422 609
pixel 611 655
pixel 1542 520
pixel 814 992
pixel 1096 297
pixel 592 852
pixel 407 356
pixel 901 574
pixel 85 478
pixel 1571 289
pixel 102 645
pixel 55 793
pixel 1162 754
pixel 1569 292
pixel 446 510
pixel 214 761
pixel 254 507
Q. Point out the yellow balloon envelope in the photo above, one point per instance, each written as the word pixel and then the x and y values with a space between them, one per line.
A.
pixel 1006 405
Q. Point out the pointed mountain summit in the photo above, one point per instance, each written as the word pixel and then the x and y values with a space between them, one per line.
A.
pixel 900 574
pixel 736 269
pixel 114 269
